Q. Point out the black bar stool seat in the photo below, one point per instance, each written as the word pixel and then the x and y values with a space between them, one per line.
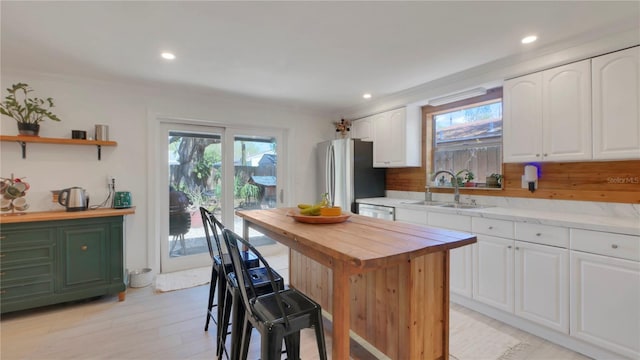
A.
pixel 278 316
pixel 221 269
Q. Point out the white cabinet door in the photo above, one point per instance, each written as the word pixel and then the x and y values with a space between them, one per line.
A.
pixel 522 119
pixel 362 129
pixel 493 272
pixel 383 152
pixel 460 267
pixel 389 138
pixel 605 302
pixel 460 259
pixel 542 285
pixel 616 105
pixel 396 139
pixel 566 112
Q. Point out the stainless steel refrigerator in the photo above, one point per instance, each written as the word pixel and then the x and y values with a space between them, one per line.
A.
pixel 346 172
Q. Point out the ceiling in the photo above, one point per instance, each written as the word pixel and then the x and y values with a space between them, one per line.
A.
pixel 321 55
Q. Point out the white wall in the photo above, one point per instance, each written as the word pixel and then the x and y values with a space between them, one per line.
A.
pixel 126 108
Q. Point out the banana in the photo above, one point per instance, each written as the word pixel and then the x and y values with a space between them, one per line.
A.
pixel 304 206
pixel 311 211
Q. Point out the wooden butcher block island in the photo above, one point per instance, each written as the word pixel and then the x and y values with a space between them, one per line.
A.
pixel 386 281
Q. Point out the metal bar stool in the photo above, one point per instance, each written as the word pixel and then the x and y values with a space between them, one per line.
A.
pixel 278 316
pixel 222 266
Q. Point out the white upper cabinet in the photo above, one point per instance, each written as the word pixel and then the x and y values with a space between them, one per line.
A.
pixel 362 129
pixel 547 115
pixel 396 139
pixel 522 118
pixel 616 105
pixel 566 112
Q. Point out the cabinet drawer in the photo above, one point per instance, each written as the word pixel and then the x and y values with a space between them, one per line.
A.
pixel 27 271
pixel 604 243
pixel 13 290
pixel 10 237
pixel 26 254
pixel 493 227
pixel 411 216
pixel 543 234
pixel 450 221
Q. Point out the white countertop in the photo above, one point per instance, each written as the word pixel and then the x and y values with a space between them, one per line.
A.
pixel 615 224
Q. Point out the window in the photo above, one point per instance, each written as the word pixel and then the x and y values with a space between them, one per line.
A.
pixel 466 140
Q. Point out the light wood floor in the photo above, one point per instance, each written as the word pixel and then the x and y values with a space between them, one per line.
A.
pixel 170 325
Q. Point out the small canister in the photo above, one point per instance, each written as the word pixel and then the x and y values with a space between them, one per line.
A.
pixel 102 132
pixel 122 200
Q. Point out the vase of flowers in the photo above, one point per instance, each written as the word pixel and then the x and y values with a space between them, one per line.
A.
pixel 27 112
pixel 342 128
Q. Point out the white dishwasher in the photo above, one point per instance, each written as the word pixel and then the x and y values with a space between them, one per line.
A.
pixel 377 211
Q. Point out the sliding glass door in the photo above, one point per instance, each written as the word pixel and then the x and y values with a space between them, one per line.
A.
pixel 220 169
pixel 193 172
pixel 255 160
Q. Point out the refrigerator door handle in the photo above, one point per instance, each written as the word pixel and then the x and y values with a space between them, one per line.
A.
pixel 332 175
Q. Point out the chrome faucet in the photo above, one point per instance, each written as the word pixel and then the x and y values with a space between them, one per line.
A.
pixel 454 181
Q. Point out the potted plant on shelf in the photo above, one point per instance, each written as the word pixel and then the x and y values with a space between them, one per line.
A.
pixel 494 180
pixel 465 181
pixel 27 112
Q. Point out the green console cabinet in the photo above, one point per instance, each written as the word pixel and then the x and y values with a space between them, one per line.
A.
pixel 49 262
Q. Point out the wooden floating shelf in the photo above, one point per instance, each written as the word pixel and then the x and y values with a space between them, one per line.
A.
pixel 23 140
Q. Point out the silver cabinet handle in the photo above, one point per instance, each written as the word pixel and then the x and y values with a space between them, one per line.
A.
pixel 490 227
pixel 517 248
pixel 538 234
pixel 614 246
pixel 509 247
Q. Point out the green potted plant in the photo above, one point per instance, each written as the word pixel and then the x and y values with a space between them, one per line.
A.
pixel 27 112
pixel 494 180
pixel 465 180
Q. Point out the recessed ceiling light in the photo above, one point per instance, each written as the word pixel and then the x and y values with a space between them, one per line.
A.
pixel 367 96
pixel 168 55
pixel 529 39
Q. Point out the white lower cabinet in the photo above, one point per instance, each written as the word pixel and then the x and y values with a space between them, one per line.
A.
pixel 605 302
pixel 460 269
pixel 460 259
pixel 493 272
pixel 542 285
pixel 526 279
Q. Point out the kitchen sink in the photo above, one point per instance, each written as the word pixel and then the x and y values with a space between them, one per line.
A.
pixel 461 206
pixel 444 204
pixel 425 202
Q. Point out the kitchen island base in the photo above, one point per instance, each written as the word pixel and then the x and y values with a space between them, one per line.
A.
pixel 401 310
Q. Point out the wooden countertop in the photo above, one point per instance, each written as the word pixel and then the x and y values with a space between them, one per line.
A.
pixel 8 218
pixel 361 241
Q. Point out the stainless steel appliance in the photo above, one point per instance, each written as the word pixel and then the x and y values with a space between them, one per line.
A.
pixel 377 211
pixel 346 172
pixel 74 199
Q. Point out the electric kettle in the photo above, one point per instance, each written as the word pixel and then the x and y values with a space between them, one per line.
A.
pixel 74 199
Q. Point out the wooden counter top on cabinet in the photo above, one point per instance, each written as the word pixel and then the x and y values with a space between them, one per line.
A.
pixel 9 218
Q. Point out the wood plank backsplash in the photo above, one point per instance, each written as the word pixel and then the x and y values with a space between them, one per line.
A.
pixel 603 181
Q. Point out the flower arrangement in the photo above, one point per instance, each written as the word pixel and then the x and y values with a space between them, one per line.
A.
pixel 343 126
